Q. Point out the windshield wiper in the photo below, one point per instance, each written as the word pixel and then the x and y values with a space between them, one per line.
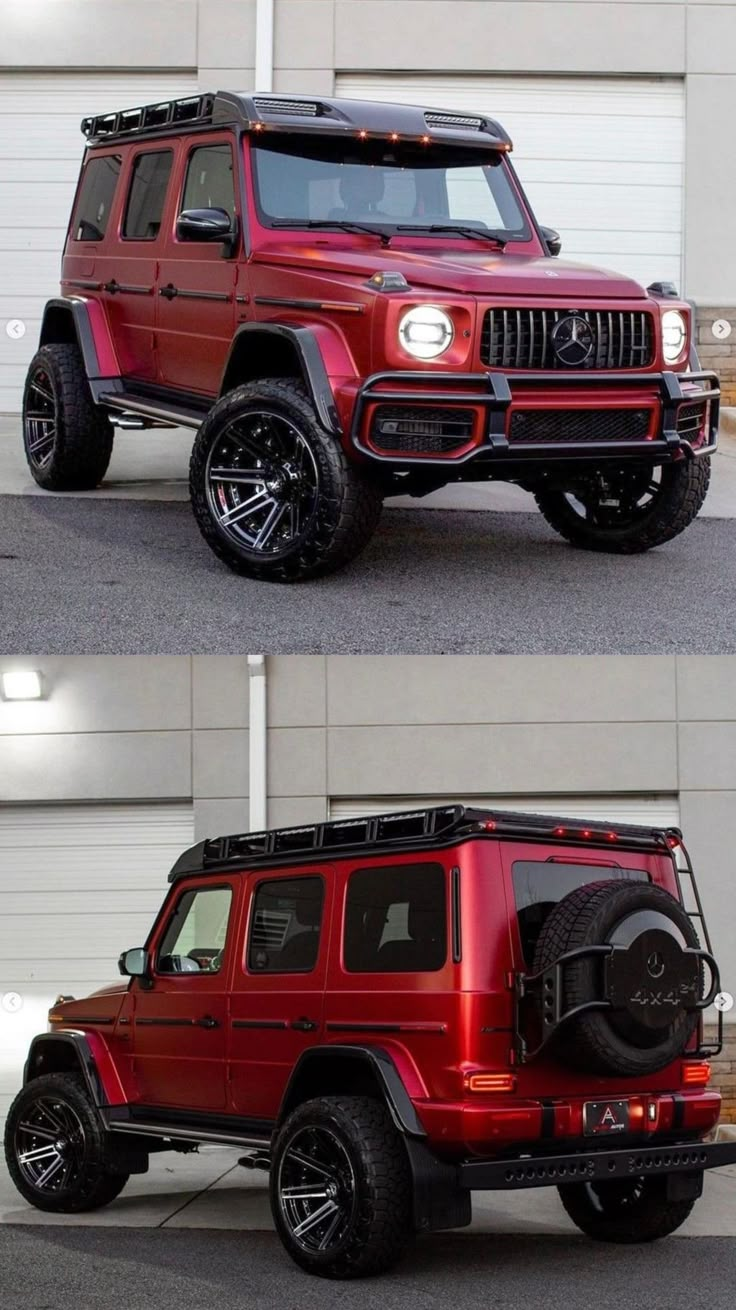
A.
pixel 345 224
pixel 477 233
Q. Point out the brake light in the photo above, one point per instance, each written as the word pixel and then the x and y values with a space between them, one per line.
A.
pixel 696 1075
pixel 490 1082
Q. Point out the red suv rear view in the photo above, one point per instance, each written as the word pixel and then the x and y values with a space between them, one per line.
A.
pixel 349 301
pixel 389 1013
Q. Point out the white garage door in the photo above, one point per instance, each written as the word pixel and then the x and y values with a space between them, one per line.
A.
pixel 40 154
pixel 78 884
pixel 601 159
pixel 657 810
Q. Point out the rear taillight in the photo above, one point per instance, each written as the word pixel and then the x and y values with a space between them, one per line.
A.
pixel 489 1082
pixel 695 1073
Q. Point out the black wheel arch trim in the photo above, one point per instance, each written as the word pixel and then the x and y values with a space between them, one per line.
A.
pixel 310 360
pixel 77 311
pixel 382 1065
pixel 84 1059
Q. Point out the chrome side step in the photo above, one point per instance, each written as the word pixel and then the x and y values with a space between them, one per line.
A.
pixel 178 416
pixel 180 1134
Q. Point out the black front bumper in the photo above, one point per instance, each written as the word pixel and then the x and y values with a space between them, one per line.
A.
pixel 495 393
pixel 594 1166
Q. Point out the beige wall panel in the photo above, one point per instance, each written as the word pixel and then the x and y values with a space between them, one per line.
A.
pixel 500 689
pixel 124 693
pixel 131 34
pixel 95 766
pixel 503 758
pixel 220 763
pixel 220 691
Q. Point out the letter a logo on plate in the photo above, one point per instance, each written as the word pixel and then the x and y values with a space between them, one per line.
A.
pixel 608 1117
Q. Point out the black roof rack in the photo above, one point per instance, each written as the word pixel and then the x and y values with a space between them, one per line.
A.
pixel 257 112
pixel 429 828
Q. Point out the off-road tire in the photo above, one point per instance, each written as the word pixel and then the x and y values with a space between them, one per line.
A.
pixel 99 1184
pixel 350 498
pixel 583 918
pixel 381 1227
pixel 84 433
pixel 680 501
pixel 602 1210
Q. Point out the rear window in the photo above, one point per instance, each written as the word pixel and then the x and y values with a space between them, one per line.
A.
pixel 95 198
pixel 396 920
pixel 539 885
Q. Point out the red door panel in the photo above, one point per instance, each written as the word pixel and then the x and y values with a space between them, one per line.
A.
pixel 276 1013
pixel 179 1021
pixel 195 301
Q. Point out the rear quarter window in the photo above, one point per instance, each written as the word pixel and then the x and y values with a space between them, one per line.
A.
pixel 540 884
pixel 96 194
pixel 396 920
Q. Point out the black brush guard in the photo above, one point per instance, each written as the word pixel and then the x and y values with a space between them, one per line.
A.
pixel 539 1009
pixel 495 392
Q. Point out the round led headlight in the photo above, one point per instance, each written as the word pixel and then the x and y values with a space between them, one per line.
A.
pixel 674 335
pixel 426 332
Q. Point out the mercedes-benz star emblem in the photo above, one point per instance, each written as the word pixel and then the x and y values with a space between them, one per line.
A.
pixel 655 964
pixel 572 340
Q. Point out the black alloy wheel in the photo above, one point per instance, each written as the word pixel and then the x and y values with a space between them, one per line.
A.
pixel 262 484
pixel 50 1145
pixel 629 509
pixel 273 492
pixel 39 417
pixel 317 1190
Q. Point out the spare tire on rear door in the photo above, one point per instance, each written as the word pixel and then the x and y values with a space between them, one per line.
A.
pixel 652 981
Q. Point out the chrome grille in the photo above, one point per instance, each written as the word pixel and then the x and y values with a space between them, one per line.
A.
pixel 522 338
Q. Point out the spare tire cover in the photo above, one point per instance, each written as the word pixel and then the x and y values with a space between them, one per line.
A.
pixel 653 984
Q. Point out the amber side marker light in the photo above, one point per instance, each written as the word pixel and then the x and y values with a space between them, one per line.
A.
pixel 490 1082
pixel 696 1075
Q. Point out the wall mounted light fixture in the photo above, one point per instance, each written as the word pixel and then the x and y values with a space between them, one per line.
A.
pixel 21 684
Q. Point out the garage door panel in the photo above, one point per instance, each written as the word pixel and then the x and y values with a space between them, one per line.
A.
pixel 599 155
pixel 78 885
pixel 20 270
pixel 41 147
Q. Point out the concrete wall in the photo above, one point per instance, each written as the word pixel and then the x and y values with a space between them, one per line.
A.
pixel 315 38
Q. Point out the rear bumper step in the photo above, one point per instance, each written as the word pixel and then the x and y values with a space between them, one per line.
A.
pixel 594 1166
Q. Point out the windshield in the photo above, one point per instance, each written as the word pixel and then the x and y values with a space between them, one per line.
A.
pixel 305 179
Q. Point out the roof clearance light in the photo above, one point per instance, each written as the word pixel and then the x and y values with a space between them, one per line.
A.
pixel 612 836
pixel 362 135
pixel 426 140
pixel 559 832
pixel 490 825
pixel 394 136
pixel 672 841
pixel 585 833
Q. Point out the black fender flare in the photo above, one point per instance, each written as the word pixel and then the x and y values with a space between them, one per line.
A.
pixel 40 1048
pixel 77 311
pixel 384 1070
pixel 311 364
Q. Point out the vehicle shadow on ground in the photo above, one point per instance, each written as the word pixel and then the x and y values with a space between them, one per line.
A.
pixel 250 1269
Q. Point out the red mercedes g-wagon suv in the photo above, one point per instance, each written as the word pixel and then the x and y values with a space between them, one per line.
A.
pixel 388 1013
pixel 353 300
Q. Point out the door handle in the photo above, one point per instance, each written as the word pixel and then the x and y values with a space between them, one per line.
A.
pixel 169 291
pixel 111 287
pixel 207 1021
pixel 304 1025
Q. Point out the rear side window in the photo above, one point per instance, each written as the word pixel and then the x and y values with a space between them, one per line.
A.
pixel 147 195
pixel 95 198
pixel 396 920
pixel 285 926
pixel 539 885
pixel 209 182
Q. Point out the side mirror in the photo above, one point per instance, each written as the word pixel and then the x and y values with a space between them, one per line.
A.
pixel 553 240
pixel 134 963
pixel 204 225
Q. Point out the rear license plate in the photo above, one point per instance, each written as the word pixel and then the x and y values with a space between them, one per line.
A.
pixel 605 1117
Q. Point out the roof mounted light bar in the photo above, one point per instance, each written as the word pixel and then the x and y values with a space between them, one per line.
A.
pixel 127 122
pixel 424 827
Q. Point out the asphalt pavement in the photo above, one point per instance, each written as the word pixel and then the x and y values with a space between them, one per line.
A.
pixel 69 1268
pixel 133 576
